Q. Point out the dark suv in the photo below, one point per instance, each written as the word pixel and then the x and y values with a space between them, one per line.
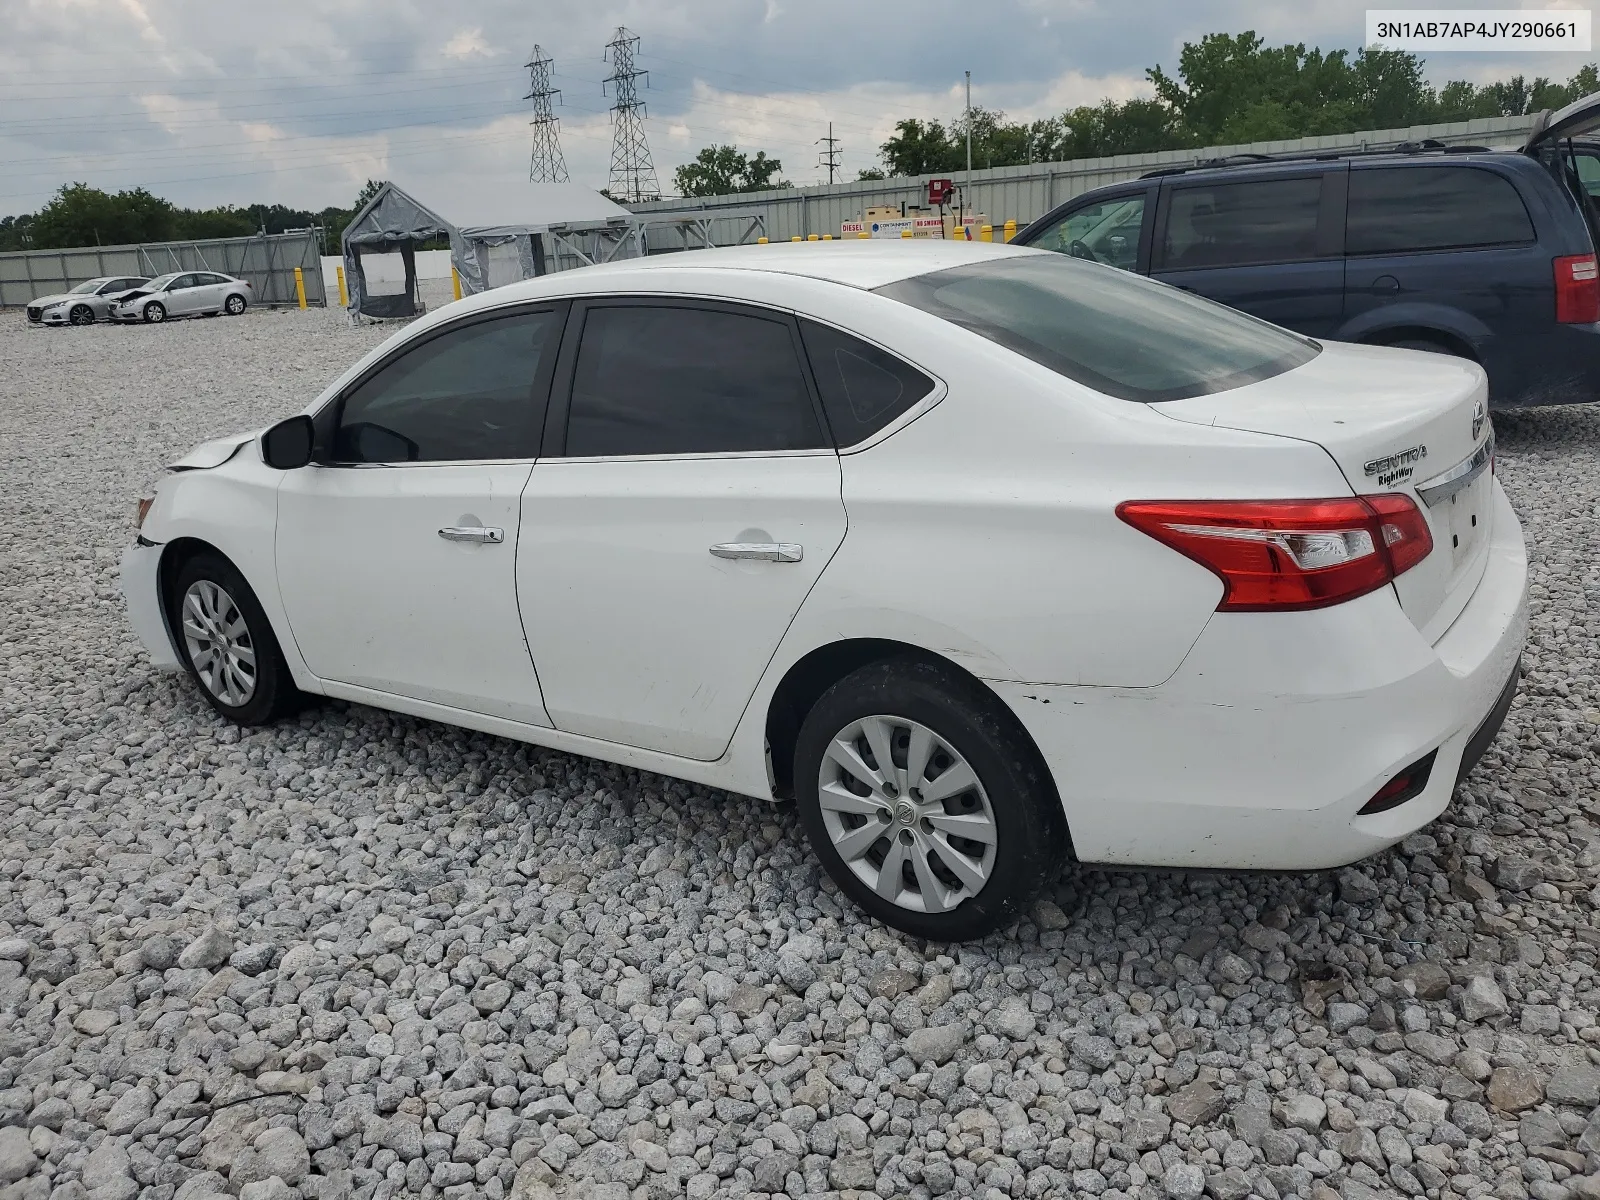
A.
pixel 1485 254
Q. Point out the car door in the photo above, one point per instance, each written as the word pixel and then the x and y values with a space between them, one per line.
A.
pixel 396 549
pixel 182 296
pixel 1271 247
pixel 1112 229
pixel 687 501
pixel 208 292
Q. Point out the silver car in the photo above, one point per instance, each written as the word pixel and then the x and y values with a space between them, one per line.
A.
pixel 184 294
pixel 84 304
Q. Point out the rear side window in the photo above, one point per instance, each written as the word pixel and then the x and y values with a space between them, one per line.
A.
pixel 1117 333
pixel 1394 210
pixel 685 380
pixel 863 388
pixel 1107 232
pixel 464 395
pixel 1235 224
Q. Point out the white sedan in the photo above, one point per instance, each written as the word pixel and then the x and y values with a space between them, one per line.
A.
pixel 183 294
pixel 989 558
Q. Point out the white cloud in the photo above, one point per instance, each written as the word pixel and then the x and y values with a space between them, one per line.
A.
pixel 467 43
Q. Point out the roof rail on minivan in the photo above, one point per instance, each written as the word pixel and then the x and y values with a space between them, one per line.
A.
pixel 1425 146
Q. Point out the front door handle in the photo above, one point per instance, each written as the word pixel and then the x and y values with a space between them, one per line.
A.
pixel 759 551
pixel 482 534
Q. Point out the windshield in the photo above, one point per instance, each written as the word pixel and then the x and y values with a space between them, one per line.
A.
pixel 1114 332
pixel 159 282
pixel 83 289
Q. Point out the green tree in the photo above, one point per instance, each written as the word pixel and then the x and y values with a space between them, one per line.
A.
pixel 80 215
pixel 919 148
pixel 723 170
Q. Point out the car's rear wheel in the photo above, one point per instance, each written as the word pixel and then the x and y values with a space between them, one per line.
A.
pixel 234 304
pixel 81 314
pixel 925 802
pixel 155 312
pixel 227 642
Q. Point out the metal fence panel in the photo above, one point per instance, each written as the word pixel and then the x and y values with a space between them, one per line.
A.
pixel 268 262
pixel 1023 193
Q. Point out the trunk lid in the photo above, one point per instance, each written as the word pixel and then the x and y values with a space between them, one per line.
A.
pixel 1576 119
pixel 1394 421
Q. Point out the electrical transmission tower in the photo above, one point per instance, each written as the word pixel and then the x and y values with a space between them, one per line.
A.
pixel 830 157
pixel 547 165
pixel 633 176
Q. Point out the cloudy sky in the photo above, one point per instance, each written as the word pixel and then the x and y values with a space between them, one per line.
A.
pixel 300 101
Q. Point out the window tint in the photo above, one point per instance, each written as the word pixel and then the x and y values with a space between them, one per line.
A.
pixel 1229 225
pixel 680 380
pixel 464 395
pixel 1107 232
pixel 1399 209
pixel 863 388
pixel 1118 333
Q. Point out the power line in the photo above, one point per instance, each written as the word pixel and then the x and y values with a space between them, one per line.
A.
pixel 633 175
pixel 830 157
pixel 546 164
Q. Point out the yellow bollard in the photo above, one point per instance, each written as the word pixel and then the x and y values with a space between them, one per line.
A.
pixel 796 238
pixel 986 234
pixel 905 233
pixel 864 234
pixel 1011 230
pixel 827 237
pixel 300 287
pixel 344 297
pixel 811 237
pixel 761 241
pixel 455 280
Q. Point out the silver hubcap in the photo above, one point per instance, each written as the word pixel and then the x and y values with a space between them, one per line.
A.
pixel 218 639
pixel 235 305
pixel 907 814
pixel 155 312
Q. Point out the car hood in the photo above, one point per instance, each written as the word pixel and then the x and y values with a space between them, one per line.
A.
pixel 135 294
pixel 213 453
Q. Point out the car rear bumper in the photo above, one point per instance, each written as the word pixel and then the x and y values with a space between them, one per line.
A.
pixel 1262 747
pixel 141 590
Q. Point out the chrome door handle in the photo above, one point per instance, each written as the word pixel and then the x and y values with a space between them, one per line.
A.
pixel 759 551
pixel 473 533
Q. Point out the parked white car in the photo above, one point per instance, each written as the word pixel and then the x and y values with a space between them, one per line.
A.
pixel 184 294
pixel 989 557
pixel 84 304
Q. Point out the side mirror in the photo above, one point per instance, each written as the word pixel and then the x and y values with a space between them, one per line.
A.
pixel 287 445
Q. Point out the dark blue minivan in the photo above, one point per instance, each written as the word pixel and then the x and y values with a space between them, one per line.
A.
pixel 1485 254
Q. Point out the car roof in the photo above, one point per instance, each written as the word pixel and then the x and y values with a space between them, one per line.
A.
pixel 1248 166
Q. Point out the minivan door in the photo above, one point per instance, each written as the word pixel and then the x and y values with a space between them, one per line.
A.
pixel 1271 247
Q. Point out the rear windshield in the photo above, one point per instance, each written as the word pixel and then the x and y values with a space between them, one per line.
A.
pixel 1114 332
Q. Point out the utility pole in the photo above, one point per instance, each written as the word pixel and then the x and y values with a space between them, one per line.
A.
pixel 830 157
pixel 546 165
pixel 966 200
pixel 633 176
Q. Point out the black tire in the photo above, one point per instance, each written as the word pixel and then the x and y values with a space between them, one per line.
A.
pixel 1030 843
pixel 81 314
pixel 234 304
pixel 273 693
pixel 155 312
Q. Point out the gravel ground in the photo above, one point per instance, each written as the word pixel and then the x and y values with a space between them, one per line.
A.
pixel 360 954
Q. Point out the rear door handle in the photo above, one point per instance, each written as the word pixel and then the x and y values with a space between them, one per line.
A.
pixel 759 551
pixel 482 534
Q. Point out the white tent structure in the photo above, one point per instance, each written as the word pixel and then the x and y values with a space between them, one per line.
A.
pixel 547 227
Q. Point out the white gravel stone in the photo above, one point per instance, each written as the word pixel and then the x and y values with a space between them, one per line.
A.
pixel 375 952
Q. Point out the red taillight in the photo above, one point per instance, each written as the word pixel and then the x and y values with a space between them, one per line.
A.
pixel 1577 289
pixel 1284 555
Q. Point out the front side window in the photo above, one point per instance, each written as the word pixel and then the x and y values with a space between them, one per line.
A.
pixel 1117 333
pixel 465 395
pixel 1107 232
pixel 1236 224
pixel 685 380
pixel 1395 210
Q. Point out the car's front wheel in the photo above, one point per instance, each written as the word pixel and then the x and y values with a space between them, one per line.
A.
pixel 234 304
pixel 155 312
pixel 81 314
pixel 925 802
pixel 228 644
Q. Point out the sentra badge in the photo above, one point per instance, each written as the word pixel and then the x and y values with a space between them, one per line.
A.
pixel 1396 468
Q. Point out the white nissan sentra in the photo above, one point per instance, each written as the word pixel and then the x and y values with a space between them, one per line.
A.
pixel 992 559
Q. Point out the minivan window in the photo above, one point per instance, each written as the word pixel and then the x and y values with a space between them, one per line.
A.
pixel 1395 210
pixel 1235 224
pixel 1117 333
pixel 1107 232
pixel 678 379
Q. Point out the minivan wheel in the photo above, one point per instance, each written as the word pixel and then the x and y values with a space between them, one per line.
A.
pixel 81 314
pixel 155 312
pixel 227 642
pixel 925 802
